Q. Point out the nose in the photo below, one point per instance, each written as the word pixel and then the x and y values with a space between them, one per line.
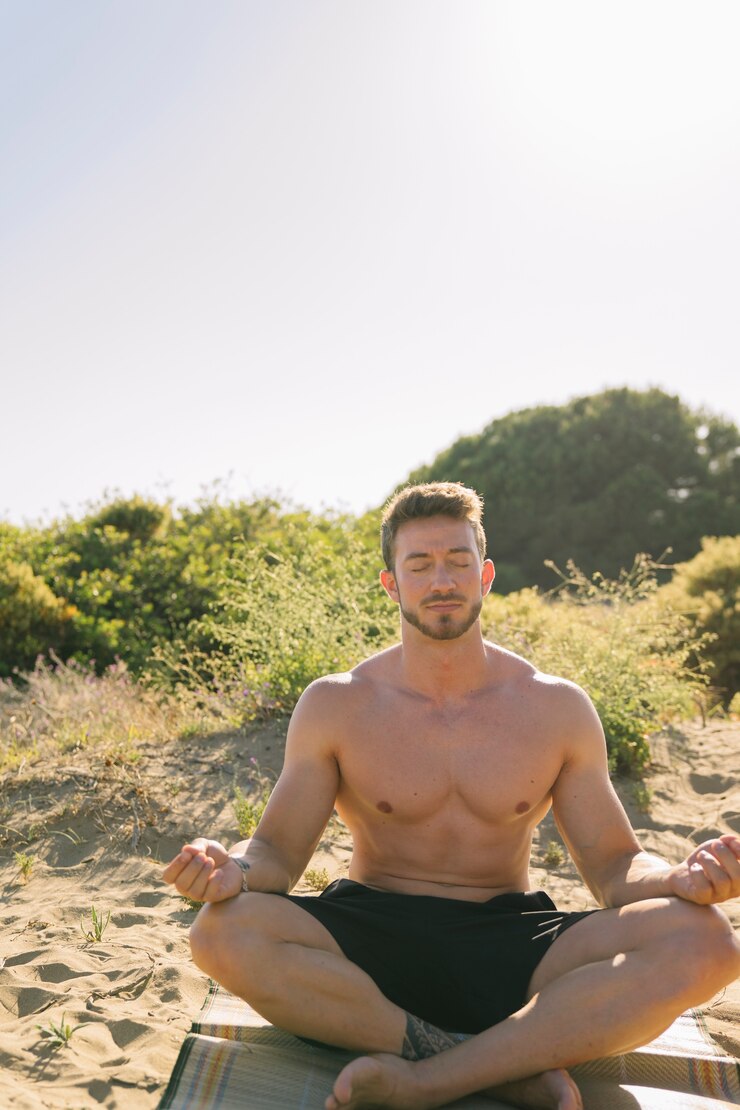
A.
pixel 442 582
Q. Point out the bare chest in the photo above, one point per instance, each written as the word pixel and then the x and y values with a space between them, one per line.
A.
pixel 418 764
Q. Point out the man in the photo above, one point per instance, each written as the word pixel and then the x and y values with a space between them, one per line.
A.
pixel 441 755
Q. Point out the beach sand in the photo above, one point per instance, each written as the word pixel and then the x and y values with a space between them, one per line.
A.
pixel 100 827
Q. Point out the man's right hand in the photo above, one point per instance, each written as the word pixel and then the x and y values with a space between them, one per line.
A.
pixel 204 871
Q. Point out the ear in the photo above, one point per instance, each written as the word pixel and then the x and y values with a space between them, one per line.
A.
pixel 388 582
pixel 487 575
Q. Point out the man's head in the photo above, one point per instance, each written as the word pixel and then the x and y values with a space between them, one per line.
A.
pixel 431 499
pixel 434 548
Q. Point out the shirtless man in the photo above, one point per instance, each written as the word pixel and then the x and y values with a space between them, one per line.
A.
pixel 441 755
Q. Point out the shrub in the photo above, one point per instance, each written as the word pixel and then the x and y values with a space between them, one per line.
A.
pixel 631 654
pixel 32 618
pixel 64 706
pixel 282 620
pixel 707 590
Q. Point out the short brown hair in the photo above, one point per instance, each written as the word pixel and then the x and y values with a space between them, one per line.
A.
pixel 431 499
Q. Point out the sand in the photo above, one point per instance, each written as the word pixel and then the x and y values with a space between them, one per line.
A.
pixel 99 829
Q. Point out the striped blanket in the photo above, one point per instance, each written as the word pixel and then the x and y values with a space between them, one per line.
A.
pixel 234 1060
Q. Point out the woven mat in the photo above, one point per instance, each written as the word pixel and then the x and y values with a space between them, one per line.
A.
pixel 234 1060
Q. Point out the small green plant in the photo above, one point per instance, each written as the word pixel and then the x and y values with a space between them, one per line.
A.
pixel 191 903
pixel 642 796
pixel 58 1035
pixel 553 854
pixel 24 863
pixel 316 878
pixel 247 812
pixel 99 925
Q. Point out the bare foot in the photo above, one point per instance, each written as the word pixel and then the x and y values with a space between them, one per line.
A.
pixel 389 1081
pixel 381 1080
pixel 551 1090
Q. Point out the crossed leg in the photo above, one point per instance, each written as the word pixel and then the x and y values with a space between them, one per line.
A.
pixel 612 981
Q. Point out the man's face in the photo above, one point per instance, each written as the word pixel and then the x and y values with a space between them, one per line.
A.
pixel 438 578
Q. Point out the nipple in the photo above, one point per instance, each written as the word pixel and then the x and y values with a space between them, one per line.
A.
pixel 385 807
pixel 522 807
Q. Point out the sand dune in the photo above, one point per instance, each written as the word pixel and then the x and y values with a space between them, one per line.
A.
pixel 99 829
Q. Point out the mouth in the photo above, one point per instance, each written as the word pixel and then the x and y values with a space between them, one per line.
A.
pixel 443 606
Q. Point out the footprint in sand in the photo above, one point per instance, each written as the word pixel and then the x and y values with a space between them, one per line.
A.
pixel 711 784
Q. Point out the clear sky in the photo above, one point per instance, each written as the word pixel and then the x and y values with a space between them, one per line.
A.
pixel 301 246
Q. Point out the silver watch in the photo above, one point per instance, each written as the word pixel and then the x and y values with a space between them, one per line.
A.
pixel 241 862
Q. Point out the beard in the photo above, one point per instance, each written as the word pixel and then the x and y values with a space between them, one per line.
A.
pixel 447 626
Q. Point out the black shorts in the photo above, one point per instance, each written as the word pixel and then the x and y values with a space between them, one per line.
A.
pixel 461 965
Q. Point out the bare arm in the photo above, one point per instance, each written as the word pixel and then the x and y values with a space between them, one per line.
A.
pixel 294 819
pixel 602 842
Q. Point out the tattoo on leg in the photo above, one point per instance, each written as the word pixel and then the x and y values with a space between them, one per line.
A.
pixel 423 1039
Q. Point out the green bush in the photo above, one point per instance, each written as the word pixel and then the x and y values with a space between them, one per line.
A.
pixel 707 589
pixel 136 572
pixel 629 652
pixel 32 618
pixel 283 619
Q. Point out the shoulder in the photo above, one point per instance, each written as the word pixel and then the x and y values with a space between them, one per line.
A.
pixel 337 695
pixel 574 719
pixel 562 705
pixel 513 668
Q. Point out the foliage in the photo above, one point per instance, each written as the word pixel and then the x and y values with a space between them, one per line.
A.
pixel 58 1035
pixel 32 619
pixel 642 796
pixel 24 862
pixel 630 653
pixel 554 854
pixel 283 618
pixel 191 903
pixel 247 812
pixel 707 589
pixel 99 924
pixel 132 573
pixel 316 878
pixel 66 706
pixel 596 481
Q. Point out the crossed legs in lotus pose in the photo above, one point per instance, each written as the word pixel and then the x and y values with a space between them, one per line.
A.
pixel 611 982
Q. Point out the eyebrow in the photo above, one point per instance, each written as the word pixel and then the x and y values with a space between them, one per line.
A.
pixel 450 551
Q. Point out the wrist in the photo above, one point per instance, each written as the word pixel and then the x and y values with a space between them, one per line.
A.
pixel 244 867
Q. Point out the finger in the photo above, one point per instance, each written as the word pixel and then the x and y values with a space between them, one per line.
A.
pixel 730 864
pixel 200 888
pixel 732 842
pixel 700 887
pixel 175 866
pixel 200 844
pixel 727 856
pixel 715 873
pixel 187 880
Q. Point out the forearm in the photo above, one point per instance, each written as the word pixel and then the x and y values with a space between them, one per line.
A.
pixel 268 872
pixel 634 878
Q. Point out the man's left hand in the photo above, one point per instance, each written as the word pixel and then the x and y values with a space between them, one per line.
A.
pixel 711 873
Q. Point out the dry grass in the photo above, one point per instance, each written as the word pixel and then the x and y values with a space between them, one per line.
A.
pixel 66 707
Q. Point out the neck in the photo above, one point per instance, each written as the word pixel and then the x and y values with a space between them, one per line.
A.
pixel 444 668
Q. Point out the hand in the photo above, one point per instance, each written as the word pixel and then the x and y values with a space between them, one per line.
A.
pixel 204 871
pixel 711 873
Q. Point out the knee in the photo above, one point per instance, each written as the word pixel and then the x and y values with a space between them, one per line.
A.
pixel 225 931
pixel 705 948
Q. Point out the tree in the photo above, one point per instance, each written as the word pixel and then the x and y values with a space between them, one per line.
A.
pixel 598 480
